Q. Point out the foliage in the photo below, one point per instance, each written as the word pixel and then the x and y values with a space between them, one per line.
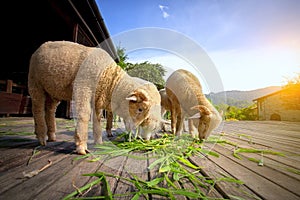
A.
pixel 151 72
pixel 121 51
pixel 232 112
pixel 292 81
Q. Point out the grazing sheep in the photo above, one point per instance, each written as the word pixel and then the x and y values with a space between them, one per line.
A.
pixel 63 70
pixel 165 106
pixel 165 102
pixel 185 93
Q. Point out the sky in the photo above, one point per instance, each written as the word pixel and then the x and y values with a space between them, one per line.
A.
pixel 248 44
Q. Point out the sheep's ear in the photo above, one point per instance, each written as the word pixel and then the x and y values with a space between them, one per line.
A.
pixel 138 96
pixel 202 109
pixel 131 97
pixel 195 116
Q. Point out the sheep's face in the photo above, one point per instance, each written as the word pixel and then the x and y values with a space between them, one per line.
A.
pixel 205 120
pixel 144 112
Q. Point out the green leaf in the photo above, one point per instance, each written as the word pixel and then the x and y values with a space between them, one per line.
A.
pixel 95 159
pixel 176 176
pixel 209 152
pixel 136 196
pixel 155 181
pixel 187 193
pixel 156 162
pixel 107 192
pixel 169 181
pixel 187 163
pixel 230 179
pixel 165 168
pixel 86 187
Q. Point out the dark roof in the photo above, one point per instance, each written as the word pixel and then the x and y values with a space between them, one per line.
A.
pixel 28 24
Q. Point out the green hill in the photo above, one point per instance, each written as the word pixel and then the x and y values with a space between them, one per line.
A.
pixel 241 99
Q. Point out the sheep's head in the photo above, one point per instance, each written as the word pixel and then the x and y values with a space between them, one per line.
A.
pixel 206 120
pixel 145 111
pixel 139 106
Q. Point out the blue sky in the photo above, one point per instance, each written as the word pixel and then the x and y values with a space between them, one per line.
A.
pixel 252 43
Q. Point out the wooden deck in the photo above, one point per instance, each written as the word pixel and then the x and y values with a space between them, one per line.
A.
pixel 59 173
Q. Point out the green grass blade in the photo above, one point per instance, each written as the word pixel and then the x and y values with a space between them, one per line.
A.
pixel 82 189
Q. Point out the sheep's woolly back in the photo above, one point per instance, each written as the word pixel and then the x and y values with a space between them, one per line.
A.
pixel 187 88
pixel 63 60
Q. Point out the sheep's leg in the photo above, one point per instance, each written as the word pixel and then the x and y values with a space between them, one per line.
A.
pixel 163 126
pixel 51 105
pixel 38 99
pixel 179 123
pixel 82 99
pixel 109 122
pixel 191 128
pixel 173 120
pixel 184 126
pixel 97 129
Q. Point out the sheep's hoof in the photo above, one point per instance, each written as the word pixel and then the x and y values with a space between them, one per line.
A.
pixel 51 140
pixel 82 150
pixel 98 141
pixel 109 134
pixel 42 142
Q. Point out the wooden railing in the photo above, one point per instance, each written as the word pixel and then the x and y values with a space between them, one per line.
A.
pixel 14 98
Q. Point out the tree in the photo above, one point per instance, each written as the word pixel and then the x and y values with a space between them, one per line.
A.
pixel 151 72
pixel 122 57
pixel 292 81
pixel 232 112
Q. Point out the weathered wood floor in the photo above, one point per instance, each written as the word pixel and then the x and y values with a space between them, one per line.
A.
pixel 278 177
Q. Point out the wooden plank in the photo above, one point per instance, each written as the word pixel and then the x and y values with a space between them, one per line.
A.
pixel 72 179
pixel 132 166
pixel 153 173
pixel 226 188
pixel 15 157
pixel 32 187
pixel 209 192
pixel 14 177
pixel 277 138
pixel 292 158
pixel 10 142
pixel 256 178
pixel 112 166
pixel 285 164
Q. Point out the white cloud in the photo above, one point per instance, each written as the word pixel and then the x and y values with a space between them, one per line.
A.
pixel 163 10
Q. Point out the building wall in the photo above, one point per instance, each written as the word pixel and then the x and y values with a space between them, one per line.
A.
pixel 284 106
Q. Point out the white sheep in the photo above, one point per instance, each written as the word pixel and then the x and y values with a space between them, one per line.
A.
pixel 63 70
pixel 187 99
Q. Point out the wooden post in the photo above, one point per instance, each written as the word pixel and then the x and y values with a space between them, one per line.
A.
pixel 9 84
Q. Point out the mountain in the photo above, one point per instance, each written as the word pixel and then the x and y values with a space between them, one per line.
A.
pixel 238 98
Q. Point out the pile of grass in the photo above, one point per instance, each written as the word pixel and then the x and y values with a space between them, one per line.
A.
pixel 171 163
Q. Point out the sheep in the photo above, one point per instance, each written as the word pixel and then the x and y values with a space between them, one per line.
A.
pixel 187 99
pixel 165 106
pixel 64 70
